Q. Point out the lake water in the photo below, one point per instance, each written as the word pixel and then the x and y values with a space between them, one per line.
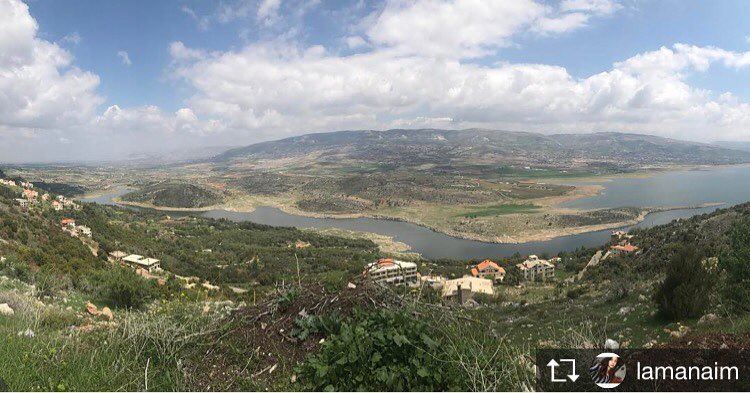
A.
pixel 679 188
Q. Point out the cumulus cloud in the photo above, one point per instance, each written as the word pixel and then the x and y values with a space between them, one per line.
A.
pixel 290 90
pixel 124 57
pixel 473 28
pixel 47 102
pixel 39 86
pixel 415 66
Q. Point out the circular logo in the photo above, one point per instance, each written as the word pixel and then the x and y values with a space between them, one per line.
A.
pixel 607 370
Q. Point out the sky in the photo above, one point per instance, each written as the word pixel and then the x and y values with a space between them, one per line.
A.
pixel 92 80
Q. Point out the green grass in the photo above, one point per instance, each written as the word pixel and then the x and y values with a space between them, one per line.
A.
pixel 498 210
pixel 541 173
pixel 144 351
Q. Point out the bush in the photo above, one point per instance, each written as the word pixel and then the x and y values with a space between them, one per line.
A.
pixel 513 276
pixel 575 293
pixel 381 351
pixel 122 288
pixel 735 289
pixel 684 292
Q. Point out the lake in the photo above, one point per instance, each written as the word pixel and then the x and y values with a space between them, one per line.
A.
pixel 676 188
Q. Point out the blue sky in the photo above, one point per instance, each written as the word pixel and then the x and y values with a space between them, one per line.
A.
pixel 146 28
pixel 203 73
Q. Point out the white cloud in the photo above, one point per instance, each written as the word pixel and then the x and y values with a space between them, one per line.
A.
pixel 600 7
pixel 203 21
pixel 474 28
pixel 355 41
pixel 268 11
pixel 39 87
pixel 73 38
pixel 288 90
pixel 46 102
pixel 411 70
pixel 180 52
pixel 561 24
pixel 123 55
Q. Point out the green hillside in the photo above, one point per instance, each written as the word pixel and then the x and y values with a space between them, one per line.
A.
pixel 175 194
pixel 241 306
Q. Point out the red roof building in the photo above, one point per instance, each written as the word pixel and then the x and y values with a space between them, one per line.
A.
pixel 627 248
pixel 488 269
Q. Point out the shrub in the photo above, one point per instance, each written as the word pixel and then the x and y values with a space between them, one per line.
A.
pixel 575 293
pixel 383 351
pixel 122 288
pixel 683 294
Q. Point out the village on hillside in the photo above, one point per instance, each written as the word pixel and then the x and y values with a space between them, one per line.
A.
pixel 480 279
pixel 483 278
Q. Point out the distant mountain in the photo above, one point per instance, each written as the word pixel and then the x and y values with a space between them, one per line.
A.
pixel 737 145
pixel 477 146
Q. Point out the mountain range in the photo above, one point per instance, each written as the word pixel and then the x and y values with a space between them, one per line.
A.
pixel 478 146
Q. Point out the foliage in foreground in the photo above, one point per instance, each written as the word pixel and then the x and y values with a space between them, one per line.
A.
pixel 735 264
pixel 394 350
pixel 384 350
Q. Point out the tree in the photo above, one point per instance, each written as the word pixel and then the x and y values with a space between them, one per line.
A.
pixel 512 276
pixel 683 293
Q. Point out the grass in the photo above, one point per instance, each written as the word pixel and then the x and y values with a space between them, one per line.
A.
pixel 144 350
pixel 502 209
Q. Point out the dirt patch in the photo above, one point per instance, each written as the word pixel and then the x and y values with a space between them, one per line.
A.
pixel 260 344
pixel 710 341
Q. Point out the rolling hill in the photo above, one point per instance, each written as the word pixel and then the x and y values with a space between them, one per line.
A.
pixel 477 146
pixel 175 194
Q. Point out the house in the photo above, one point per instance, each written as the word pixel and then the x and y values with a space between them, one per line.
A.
pixel 26 184
pixel 8 182
pixel 620 237
pixel 138 261
pixel 70 204
pixel 57 206
pixel 392 272
pixel 435 282
pixel 84 230
pixel 626 248
pixel 488 269
pixel 117 255
pixel 68 222
pixel 24 203
pixel 463 289
pixel 535 268
pixel 30 194
pixel 45 197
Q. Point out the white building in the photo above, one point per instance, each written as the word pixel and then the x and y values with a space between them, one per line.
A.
pixel 435 282
pixel 392 272
pixel 84 230
pixel 468 283
pixel 138 261
pixel 535 268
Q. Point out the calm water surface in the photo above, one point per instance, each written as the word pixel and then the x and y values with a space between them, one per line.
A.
pixel 730 185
